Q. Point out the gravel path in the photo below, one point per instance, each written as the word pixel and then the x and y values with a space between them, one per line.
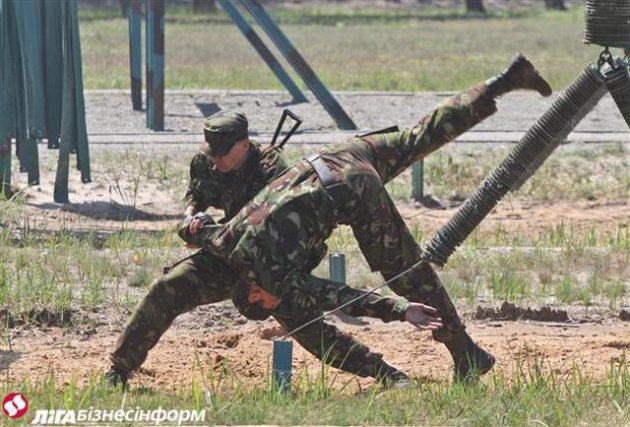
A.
pixel 111 119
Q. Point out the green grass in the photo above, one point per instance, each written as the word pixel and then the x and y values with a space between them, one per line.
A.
pixel 532 394
pixel 558 264
pixel 412 50
pixel 575 172
pixel 578 172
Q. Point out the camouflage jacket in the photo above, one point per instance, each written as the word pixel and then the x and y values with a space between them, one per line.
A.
pixel 230 191
pixel 278 238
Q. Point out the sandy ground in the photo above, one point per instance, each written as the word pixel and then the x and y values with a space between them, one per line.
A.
pixel 203 343
pixel 245 351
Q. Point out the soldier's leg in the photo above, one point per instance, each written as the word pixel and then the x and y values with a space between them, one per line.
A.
pixel 389 248
pixel 397 151
pixel 203 279
pixel 340 350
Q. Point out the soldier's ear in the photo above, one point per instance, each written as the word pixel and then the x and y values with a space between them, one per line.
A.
pixel 243 145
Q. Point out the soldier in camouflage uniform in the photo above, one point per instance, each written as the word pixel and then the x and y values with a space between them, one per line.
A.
pixel 276 240
pixel 226 174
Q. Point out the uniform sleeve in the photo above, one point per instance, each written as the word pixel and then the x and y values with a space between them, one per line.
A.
pixel 272 164
pixel 307 292
pixel 198 194
pixel 332 346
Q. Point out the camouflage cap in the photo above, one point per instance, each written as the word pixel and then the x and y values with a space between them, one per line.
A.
pixel 222 131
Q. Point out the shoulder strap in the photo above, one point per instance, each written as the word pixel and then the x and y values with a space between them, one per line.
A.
pixel 321 168
pixel 379 131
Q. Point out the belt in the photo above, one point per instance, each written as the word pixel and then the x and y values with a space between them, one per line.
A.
pixel 326 177
pixel 330 183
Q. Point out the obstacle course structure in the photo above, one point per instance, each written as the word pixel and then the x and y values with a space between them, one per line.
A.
pixel 42 90
pixel 155 59
pixel 608 25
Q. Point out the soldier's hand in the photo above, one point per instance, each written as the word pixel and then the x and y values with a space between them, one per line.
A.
pixel 190 225
pixel 423 317
pixel 200 219
pixel 183 228
pixel 194 226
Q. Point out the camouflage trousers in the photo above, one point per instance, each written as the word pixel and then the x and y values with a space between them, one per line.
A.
pixel 276 240
pixel 381 232
pixel 205 279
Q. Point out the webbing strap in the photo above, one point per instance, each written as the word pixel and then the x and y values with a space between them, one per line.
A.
pixel 326 177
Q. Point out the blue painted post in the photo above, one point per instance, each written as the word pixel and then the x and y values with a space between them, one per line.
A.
pixel 80 134
pixel 299 64
pixel 262 50
pixel 148 59
pixel 281 371
pixel 158 65
pixel 337 267
pixel 135 52
pixel 417 180
pixel 5 168
pixel 155 64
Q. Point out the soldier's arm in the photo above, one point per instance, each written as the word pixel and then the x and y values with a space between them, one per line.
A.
pixel 326 295
pixel 199 196
pixel 322 294
pixel 309 291
pixel 193 197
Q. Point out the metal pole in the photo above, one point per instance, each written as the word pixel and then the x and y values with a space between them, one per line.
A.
pixel 135 52
pixel 281 371
pixel 155 64
pixel 265 54
pixel 5 168
pixel 148 58
pixel 337 267
pixel 417 180
pixel 80 133
pixel 158 65
pixel 299 64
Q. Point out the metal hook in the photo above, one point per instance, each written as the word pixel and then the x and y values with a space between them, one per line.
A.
pixel 605 57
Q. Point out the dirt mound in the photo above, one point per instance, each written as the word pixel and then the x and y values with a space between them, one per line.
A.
pixel 272 332
pixel 621 345
pixel 38 317
pixel 509 311
pixel 228 340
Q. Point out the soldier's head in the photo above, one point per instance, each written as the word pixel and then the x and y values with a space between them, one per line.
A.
pixel 227 140
pixel 253 302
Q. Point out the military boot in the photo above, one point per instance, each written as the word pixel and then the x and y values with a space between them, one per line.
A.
pixel 520 74
pixel 386 375
pixel 468 358
pixel 471 361
pixel 116 377
pixel 392 378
